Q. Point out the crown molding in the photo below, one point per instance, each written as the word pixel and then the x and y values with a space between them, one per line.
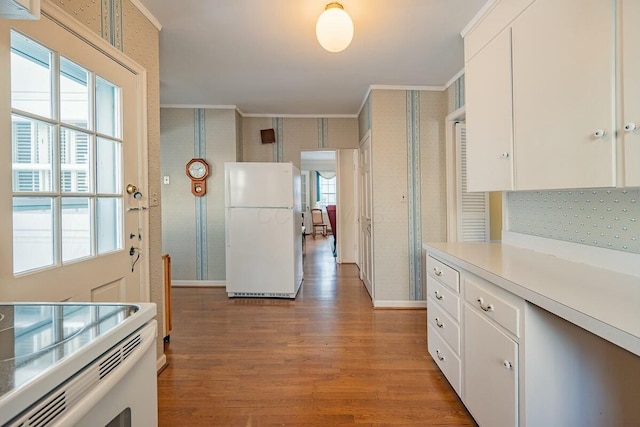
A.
pixel 205 106
pixel 147 13
pixel 454 78
pixel 487 6
pixel 302 116
pixel 407 87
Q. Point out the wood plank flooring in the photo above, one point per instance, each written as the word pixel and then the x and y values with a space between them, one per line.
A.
pixel 325 359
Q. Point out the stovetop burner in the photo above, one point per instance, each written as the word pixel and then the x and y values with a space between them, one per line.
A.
pixel 34 337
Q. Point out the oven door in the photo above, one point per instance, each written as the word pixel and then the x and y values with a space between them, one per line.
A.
pixel 118 388
pixel 128 393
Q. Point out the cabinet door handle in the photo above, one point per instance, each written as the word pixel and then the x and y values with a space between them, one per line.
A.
pixel 488 307
pixel 440 357
pixel 599 133
pixel 438 296
pixel 439 324
pixel 437 272
pixel 507 364
pixel 505 155
pixel 630 127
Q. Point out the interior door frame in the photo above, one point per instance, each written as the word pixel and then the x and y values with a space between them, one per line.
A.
pixel 451 166
pixel 93 41
pixel 367 136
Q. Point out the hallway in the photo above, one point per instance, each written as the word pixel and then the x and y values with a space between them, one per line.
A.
pixel 324 359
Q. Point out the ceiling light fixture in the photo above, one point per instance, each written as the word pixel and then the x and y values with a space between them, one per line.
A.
pixel 334 28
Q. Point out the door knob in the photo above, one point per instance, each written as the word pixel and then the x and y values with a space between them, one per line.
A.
pixel 630 127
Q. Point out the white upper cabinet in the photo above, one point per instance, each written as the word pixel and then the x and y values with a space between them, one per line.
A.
pixel 489 111
pixel 563 95
pixel 568 109
pixel 630 65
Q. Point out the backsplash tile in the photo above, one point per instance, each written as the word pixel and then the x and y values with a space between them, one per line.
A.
pixel 607 218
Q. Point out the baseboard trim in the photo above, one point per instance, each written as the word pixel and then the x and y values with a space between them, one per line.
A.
pixel 400 304
pixel 161 363
pixel 198 284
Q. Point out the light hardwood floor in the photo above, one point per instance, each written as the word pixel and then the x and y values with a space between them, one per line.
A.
pixel 325 359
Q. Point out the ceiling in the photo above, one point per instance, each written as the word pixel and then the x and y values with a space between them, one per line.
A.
pixel 263 57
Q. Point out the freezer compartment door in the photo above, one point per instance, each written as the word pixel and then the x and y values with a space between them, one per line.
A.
pixel 260 251
pixel 259 185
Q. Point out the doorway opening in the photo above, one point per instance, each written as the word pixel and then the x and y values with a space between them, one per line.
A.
pixel 319 195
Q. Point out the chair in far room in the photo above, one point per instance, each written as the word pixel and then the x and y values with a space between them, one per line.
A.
pixel 331 213
pixel 318 222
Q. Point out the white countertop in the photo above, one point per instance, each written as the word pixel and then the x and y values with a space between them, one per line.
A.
pixel 601 301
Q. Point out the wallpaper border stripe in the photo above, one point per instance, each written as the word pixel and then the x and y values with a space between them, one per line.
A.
pixel 414 203
pixel 111 22
pixel 278 154
pixel 323 132
pixel 202 256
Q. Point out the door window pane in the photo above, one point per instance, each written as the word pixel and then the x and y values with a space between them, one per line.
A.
pixel 32 155
pixel 107 108
pixel 75 169
pixel 76 228
pixel 30 76
pixel 74 94
pixel 109 224
pixel 108 163
pixel 32 233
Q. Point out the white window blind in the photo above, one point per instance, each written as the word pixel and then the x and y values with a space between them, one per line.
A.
pixel 473 208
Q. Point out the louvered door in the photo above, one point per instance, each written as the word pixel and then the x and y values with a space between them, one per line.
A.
pixel 473 208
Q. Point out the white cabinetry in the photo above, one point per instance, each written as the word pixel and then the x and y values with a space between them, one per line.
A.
pixel 552 65
pixel 489 117
pixel 443 320
pixel 630 65
pixel 563 93
pixel 490 372
pixel 491 326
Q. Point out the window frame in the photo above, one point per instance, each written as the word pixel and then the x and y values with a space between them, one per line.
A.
pixel 57 192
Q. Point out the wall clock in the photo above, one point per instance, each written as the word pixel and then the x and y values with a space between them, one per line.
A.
pixel 198 171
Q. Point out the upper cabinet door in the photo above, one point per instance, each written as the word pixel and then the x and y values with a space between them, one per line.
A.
pixel 563 94
pixel 489 117
pixel 630 60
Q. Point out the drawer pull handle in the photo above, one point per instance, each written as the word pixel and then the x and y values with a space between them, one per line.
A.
pixel 488 307
pixel 438 296
pixel 437 272
pixel 507 364
pixel 440 357
pixel 439 324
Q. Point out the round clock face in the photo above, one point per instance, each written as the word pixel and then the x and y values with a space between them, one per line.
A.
pixel 197 170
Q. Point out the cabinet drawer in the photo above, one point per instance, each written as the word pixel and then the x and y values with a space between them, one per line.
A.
pixel 495 303
pixel 445 274
pixel 444 325
pixel 443 297
pixel 446 360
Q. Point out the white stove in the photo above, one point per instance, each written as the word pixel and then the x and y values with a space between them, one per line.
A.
pixel 73 364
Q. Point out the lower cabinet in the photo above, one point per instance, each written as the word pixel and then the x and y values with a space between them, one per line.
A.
pixel 490 372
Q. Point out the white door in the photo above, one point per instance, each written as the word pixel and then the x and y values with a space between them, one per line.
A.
pixel 77 134
pixel 366 226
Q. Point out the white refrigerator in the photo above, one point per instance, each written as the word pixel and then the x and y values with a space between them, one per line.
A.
pixel 263 230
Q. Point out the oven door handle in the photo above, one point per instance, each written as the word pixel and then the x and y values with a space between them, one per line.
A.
pixel 80 408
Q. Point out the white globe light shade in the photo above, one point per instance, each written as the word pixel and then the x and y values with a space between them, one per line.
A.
pixel 334 28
